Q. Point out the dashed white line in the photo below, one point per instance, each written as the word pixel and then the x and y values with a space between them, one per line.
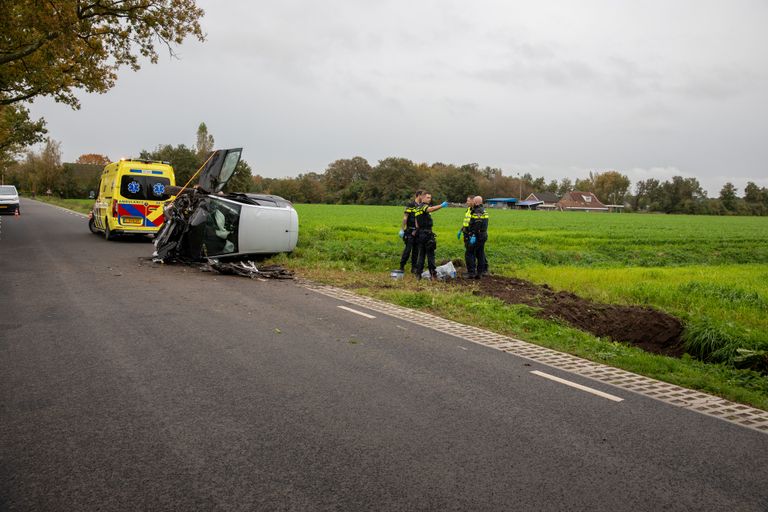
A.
pixel 578 386
pixel 366 315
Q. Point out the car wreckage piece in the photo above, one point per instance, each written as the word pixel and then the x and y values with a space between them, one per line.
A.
pixel 247 269
pixel 204 223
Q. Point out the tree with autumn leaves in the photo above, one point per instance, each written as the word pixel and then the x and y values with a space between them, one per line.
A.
pixel 54 49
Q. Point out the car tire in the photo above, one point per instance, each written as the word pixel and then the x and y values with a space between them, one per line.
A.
pixel 92 226
pixel 107 233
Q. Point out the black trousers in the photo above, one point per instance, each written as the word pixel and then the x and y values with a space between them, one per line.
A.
pixel 409 252
pixel 469 258
pixel 475 258
pixel 426 245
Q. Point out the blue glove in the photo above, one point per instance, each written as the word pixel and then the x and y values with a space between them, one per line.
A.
pixel 458 235
pixel 472 240
pixel 401 234
pixel 444 204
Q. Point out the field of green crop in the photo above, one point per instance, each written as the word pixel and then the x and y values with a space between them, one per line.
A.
pixel 711 272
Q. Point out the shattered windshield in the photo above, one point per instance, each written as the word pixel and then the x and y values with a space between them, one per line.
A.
pixel 229 166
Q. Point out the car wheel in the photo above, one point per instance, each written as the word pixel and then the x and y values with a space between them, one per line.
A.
pixel 107 233
pixel 92 226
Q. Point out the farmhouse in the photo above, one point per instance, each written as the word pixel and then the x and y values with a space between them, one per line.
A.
pixel 581 202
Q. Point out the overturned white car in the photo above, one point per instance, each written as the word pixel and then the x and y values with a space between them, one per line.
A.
pixel 204 223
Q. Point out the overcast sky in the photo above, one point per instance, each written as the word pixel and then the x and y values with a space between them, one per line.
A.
pixel 651 89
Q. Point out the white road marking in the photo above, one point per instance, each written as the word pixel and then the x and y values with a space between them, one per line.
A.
pixel 462 348
pixel 366 315
pixel 578 386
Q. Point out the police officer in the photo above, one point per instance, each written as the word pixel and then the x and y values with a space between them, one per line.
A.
pixel 465 226
pixel 477 232
pixel 467 213
pixel 425 238
pixel 407 232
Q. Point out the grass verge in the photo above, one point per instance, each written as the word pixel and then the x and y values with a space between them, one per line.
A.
pixel 77 205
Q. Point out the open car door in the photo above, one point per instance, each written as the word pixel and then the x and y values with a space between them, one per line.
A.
pixel 218 170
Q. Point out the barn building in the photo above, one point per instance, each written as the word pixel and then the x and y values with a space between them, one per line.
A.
pixel 502 202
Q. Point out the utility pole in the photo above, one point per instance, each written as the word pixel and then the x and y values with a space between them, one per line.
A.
pixel 520 182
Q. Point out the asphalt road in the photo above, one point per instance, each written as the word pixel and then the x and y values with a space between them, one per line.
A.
pixel 131 386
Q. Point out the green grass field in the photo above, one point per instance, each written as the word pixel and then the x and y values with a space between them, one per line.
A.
pixel 693 267
pixel 711 272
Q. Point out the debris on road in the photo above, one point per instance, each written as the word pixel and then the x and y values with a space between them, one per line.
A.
pixel 247 269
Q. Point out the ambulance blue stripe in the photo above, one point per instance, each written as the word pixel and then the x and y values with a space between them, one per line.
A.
pixel 136 171
pixel 132 209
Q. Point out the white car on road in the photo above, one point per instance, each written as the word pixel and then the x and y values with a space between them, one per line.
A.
pixel 9 199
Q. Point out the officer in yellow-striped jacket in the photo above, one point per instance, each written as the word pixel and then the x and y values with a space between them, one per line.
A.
pixel 467 214
pixel 474 240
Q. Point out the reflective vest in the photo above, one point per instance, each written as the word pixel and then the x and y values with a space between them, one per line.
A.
pixel 423 217
pixel 410 210
pixel 467 216
pixel 478 221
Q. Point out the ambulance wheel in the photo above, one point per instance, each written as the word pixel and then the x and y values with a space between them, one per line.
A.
pixel 107 233
pixel 92 226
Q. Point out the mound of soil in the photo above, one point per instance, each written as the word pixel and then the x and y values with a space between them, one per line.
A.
pixel 646 328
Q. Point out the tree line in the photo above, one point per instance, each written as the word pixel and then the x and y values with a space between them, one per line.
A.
pixel 391 181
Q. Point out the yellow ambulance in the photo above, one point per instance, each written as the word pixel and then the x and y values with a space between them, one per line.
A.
pixel 131 197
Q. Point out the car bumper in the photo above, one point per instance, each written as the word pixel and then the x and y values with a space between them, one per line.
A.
pixel 9 208
pixel 122 231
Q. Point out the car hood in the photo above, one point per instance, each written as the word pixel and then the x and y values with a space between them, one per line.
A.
pixel 219 169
